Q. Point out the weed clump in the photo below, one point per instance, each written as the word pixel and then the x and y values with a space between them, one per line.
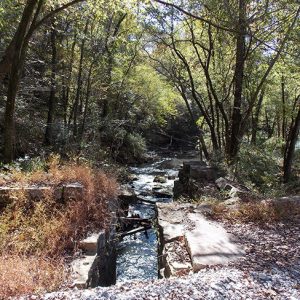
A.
pixel 45 229
pixel 259 212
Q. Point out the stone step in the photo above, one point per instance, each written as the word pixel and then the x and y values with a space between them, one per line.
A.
pixel 209 244
pixel 206 242
pixel 82 268
pixel 89 244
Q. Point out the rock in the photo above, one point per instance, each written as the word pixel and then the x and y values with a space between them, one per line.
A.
pixel 209 244
pixel 179 189
pixel 169 222
pixel 196 178
pixel 177 260
pixel 160 179
pixel 170 232
pixel 81 270
pixel 163 193
pixel 157 187
pixel 239 193
pixel 223 184
pixel 92 243
pixel 133 177
pixel 203 173
pixel 72 191
pixel 127 194
pixel 232 202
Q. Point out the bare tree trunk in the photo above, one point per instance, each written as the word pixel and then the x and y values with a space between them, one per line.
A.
pixel 256 118
pixel 51 103
pixel 67 84
pixel 283 125
pixel 79 82
pixel 19 53
pixel 236 119
pixel 290 148
pixel 87 98
pixel 201 138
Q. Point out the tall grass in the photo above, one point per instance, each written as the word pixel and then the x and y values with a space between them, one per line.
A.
pixel 24 275
pixel 43 232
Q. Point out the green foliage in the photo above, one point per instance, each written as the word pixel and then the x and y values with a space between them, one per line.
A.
pixel 258 168
pixel 155 99
pixel 134 148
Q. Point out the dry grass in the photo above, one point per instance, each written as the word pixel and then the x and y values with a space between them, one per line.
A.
pixel 25 275
pixel 32 230
pixel 260 211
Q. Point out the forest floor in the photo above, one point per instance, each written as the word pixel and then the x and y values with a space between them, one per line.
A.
pixel 270 269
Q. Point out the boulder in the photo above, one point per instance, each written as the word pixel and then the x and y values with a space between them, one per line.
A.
pixel 127 194
pixel 223 184
pixel 242 194
pixel 160 179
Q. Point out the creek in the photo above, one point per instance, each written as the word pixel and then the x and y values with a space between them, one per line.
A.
pixel 137 254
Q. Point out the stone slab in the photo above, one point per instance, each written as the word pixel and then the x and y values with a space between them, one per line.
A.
pixel 73 191
pixel 89 244
pixel 209 244
pixel 171 232
pixel 177 261
pixel 81 270
pixel 170 220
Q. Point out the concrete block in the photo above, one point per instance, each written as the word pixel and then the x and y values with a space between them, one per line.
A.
pixel 209 244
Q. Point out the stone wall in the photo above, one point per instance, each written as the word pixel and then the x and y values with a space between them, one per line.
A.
pixel 196 178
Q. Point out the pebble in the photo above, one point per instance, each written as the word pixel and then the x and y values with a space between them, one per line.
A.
pixel 259 276
pixel 221 283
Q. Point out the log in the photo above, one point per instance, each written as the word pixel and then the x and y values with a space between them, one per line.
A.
pixel 133 231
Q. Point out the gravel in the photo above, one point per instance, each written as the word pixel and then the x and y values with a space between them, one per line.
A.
pixel 269 270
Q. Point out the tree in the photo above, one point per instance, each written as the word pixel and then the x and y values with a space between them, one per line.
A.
pixel 12 63
pixel 241 21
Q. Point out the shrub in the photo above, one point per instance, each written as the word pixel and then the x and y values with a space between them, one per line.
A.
pixel 257 168
pixel 23 275
pixel 262 212
pixel 42 231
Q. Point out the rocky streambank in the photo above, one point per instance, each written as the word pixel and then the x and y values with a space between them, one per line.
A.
pixel 269 269
pixel 201 258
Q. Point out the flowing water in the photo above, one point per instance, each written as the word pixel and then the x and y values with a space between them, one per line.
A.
pixel 137 255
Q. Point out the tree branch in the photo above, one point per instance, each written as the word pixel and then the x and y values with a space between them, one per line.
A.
pixel 195 16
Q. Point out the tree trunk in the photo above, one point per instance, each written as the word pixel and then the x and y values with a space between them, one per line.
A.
pixel 18 39
pixel 201 138
pixel 51 103
pixel 236 119
pixel 256 118
pixel 87 98
pixel 283 125
pixel 290 148
pixel 19 52
pixel 79 83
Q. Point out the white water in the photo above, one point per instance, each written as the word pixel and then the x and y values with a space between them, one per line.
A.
pixel 137 256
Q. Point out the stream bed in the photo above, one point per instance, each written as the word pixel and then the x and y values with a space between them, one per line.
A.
pixel 137 254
